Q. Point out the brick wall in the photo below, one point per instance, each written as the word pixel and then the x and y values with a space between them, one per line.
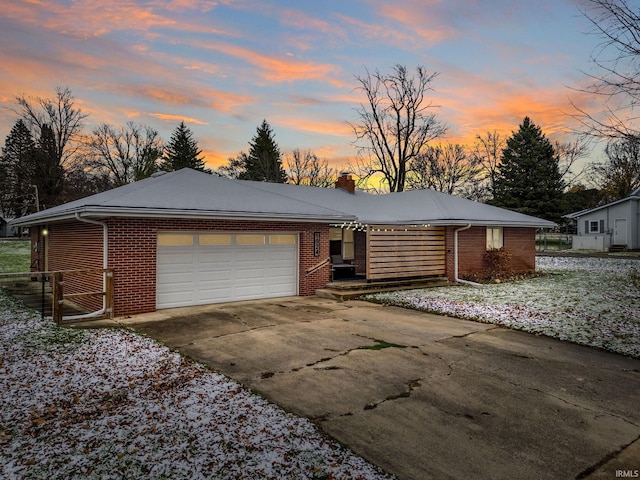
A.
pixel 521 243
pixel 77 246
pixel 472 245
pixel 132 255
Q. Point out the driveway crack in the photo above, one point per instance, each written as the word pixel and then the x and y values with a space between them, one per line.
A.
pixel 606 459
pixel 573 404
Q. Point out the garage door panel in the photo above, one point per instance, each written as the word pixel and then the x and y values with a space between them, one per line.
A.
pixel 249 292
pixel 211 270
pixel 278 270
pixel 218 295
pixel 175 257
pixel 176 278
pixel 250 274
pixel 173 298
pixel 200 274
pixel 219 283
pixel 280 253
pixel 215 257
pixel 250 258
pixel 282 290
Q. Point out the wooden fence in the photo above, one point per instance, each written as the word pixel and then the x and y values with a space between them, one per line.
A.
pixel 403 252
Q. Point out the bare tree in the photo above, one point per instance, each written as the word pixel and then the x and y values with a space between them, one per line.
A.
pixel 308 169
pixel 395 124
pixel 60 114
pixel 127 154
pixel 617 23
pixel 234 168
pixel 568 154
pixel 445 168
pixel 619 175
pixel 487 151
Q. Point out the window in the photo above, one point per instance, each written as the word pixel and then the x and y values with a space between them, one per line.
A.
pixel 175 239
pixel 341 242
pixel 494 238
pixel 596 227
pixel 347 244
pixel 250 240
pixel 282 239
pixel 335 234
pixel 215 239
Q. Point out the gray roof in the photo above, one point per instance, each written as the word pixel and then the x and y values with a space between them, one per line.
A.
pixel 192 194
pixel 635 195
pixel 407 208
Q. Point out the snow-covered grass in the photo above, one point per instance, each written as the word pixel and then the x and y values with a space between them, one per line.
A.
pixel 14 256
pixel 586 300
pixel 108 404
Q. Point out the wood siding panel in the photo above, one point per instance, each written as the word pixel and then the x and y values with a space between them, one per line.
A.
pixel 405 253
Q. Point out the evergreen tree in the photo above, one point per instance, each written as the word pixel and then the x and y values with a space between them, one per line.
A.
pixel 48 173
pixel 182 151
pixel 17 194
pixel 529 179
pixel 263 163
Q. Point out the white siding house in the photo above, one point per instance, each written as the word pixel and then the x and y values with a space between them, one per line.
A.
pixel 615 225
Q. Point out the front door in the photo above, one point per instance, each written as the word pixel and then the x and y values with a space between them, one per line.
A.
pixel 620 231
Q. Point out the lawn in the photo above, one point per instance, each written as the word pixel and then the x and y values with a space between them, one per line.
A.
pixel 587 300
pixel 15 256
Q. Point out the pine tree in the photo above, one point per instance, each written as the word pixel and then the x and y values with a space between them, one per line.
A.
pixel 182 151
pixel 17 195
pixel 48 174
pixel 529 179
pixel 263 163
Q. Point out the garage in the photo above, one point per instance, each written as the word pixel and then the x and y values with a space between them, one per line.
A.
pixel 200 268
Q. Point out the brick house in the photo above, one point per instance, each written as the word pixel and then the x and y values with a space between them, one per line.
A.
pixel 190 238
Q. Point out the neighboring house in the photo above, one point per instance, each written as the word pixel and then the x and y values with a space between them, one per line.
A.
pixel 615 225
pixel 189 238
pixel 7 230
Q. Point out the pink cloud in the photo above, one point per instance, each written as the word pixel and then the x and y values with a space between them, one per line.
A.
pixel 277 69
pixel 173 118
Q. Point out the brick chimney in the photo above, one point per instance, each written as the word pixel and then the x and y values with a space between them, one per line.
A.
pixel 346 182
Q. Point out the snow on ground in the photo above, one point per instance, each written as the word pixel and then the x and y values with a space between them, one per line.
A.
pixel 112 404
pixel 589 301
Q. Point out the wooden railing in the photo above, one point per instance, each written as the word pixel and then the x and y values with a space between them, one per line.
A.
pixel 58 283
pixel 318 266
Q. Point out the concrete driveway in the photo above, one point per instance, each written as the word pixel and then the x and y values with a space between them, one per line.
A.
pixel 420 395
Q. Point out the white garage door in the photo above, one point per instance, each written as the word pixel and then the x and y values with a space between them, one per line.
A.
pixel 202 268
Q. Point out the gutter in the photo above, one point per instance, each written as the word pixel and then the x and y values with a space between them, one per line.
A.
pixel 105 265
pixel 170 213
pixel 455 257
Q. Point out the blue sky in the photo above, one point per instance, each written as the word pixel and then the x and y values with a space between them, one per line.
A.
pixel 223 66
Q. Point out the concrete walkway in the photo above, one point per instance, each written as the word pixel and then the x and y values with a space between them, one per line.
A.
pixel 423 396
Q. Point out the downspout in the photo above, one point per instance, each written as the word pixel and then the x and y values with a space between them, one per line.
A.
pixel 105 263
pixel 455 257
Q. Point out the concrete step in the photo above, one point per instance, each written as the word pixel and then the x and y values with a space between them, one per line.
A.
pixel 344 291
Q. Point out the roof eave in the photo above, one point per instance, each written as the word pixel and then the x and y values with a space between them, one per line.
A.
pixel 97 212
pixel 587 211
pixel 462 222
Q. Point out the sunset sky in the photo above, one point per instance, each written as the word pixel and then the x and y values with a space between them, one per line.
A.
pixel 224 66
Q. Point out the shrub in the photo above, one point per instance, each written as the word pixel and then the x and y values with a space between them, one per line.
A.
pixel 496 263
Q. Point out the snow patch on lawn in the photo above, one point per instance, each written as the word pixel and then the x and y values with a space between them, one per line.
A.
pixel 111 404
pixel 589 301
